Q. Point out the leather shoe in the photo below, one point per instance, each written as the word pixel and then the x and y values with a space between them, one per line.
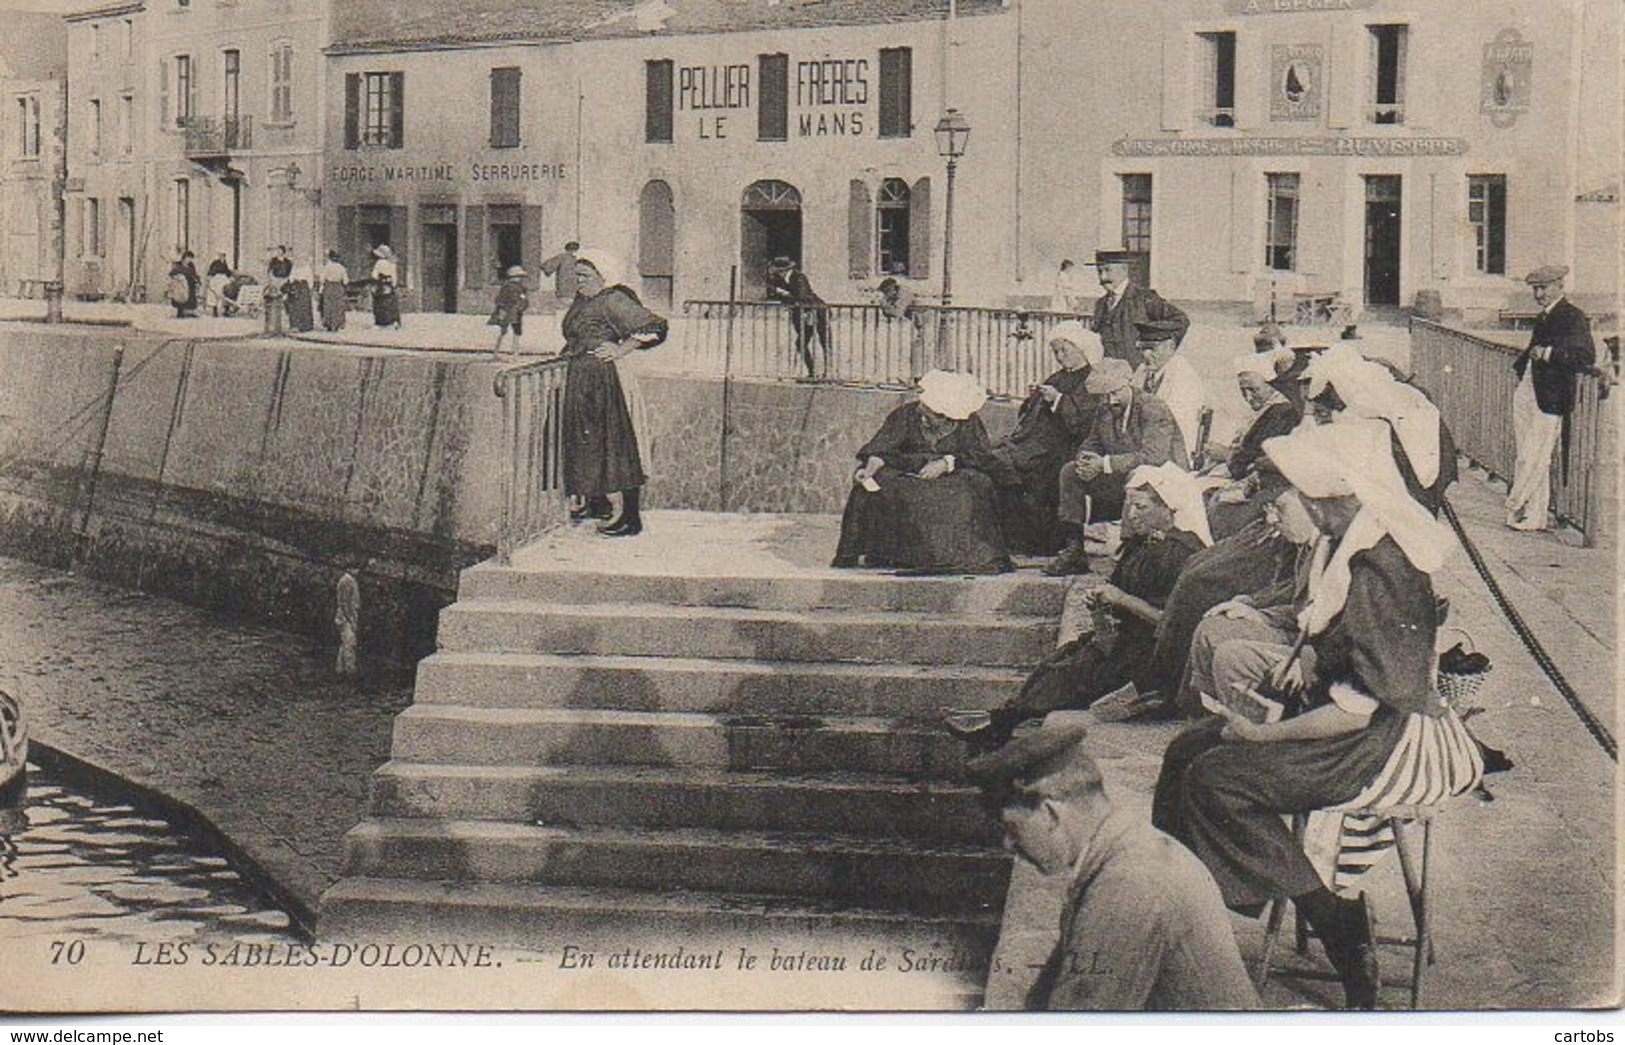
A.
pixel 1073 560
pixel 1355 957
pixel 624 528
pixel 979 729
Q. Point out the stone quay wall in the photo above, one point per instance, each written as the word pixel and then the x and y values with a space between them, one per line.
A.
pixel 246 475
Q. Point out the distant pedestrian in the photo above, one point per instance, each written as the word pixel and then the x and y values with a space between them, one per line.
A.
pixel 335 284
pixel 809 315
pixel 562 267
pixel 218 275
pixel 280 267
pixel 1071 292
pixel 296 297
pixel 386 298
pixel 183 286
pixel 1560 347
pixel 509 314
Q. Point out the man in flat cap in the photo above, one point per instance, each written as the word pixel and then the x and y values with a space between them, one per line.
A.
pixel 1166 375
pixel 1130 428
pixel 1560 348
pixel 1143 925
pixel 1125 304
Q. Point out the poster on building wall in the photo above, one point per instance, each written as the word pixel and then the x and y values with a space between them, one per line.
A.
pixel 1508 72
pixel 807 506
pixel 1297 82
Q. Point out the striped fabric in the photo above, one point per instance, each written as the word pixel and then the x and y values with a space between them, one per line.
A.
pixel 1435 759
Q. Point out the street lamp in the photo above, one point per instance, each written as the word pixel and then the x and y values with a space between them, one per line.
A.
pixel 953 133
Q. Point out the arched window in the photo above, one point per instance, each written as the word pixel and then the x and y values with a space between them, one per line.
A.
pixel 771 195
pixel 892 227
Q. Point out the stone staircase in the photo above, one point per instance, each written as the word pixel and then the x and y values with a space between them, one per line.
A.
pixel 751 754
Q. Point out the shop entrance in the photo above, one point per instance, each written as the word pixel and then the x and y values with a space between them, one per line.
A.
pixel 1382 239
pixel 770 227
pixel 657 240
pixel 440 259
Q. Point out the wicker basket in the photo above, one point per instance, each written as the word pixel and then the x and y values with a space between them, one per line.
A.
pixel 1458 689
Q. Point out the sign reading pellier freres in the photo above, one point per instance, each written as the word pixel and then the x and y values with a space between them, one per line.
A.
pixel 825 97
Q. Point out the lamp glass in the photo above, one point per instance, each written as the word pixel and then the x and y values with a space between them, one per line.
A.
pixel 953 134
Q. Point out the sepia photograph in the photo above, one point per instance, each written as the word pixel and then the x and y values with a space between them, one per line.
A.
pixel 786 506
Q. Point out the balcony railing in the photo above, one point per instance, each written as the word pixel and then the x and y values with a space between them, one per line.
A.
pixel 208 137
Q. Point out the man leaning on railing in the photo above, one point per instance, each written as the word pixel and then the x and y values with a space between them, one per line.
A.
pixel 1560 348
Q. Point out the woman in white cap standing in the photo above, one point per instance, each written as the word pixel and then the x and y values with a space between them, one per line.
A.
pixel 386 300
pixel 1373 731
pixel 509 313
pixel 922 498
pixel 601 458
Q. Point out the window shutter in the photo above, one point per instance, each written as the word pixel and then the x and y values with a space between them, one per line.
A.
pixel 505 86
pixel 1241 221
pixel 530 244
pixel 919 229
pixel 859 225
pixel 345 238
pixel 352 110
pixel 163 93
pixel 397 110
pixel 191 87
pixel 896 92
pixel 1346 83
pixel 657 121
pixel 773 97
pixel 476 269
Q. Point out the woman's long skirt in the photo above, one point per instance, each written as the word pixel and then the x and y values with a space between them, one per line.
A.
pixel 600 445
pixel 333 305
pixel 296 300
pixel 949 524
pixel 386 307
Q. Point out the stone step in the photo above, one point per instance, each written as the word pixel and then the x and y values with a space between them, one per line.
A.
pixel 658 798
pixel 461 734
pixel 825 866
pixel 725 632
pixel 745 686
pixel 933 962
pixel 1026 594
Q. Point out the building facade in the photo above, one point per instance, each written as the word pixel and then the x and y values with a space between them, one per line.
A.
pixel 194 126
pixel 33 64
pixel 1372 148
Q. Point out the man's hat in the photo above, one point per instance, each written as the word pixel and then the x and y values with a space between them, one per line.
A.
pixel 1026 759
pixel 1546 274
pixel 1110 257
pixel 1108 376
pixel 517 270
pixel 1153 330
pixel 780 263
pixel 1269 334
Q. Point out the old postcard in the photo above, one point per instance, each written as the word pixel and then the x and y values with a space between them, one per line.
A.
pixel 632 504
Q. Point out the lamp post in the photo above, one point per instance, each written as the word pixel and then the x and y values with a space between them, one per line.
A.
pixel 952 133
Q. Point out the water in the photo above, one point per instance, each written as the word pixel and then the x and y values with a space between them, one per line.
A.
pixel 81 867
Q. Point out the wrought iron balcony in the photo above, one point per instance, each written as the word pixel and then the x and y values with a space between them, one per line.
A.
pixel 208 138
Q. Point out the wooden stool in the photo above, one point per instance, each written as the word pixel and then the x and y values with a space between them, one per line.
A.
pixel 1413 866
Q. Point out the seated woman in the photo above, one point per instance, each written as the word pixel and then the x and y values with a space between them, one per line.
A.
pixel 1053 420
pixel 1366 677
pixel 1163 526
pixel 922 499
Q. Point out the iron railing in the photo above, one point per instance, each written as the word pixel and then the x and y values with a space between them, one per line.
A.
pixel 1469 376
pixel 209 137
pixel 532 494
pixel 1006 349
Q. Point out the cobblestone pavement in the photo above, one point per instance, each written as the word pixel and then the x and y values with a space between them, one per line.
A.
pixel 245 724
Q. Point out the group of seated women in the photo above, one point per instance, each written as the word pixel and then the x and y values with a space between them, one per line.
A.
pixel 1283 602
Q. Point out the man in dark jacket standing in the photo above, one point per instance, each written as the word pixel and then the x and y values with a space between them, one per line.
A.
pixel 1124 306
pixel 809 315
pixel 1560 348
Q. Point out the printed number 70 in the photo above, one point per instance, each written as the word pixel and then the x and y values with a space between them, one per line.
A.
pixel 66 952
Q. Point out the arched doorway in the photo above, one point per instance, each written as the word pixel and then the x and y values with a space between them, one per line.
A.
pixel 770 227
pixel 657 245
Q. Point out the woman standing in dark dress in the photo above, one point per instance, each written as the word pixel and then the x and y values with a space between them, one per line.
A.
pixel 296 298
pixel 605 322
pixel 923 499
pixel 386 297
pixel 1375 732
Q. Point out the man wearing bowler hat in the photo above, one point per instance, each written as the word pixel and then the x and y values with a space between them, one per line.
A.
pixel 1130 428
pixel 1143 925
pixel 1125 304
pixel 1560 348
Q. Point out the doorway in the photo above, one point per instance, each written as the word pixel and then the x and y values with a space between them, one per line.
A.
pixel 770 227
pixel 126 224
pixel 1382 238
pixel 440 266
pixel 657 244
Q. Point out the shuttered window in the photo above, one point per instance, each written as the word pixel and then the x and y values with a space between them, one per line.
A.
pixel 892 240
pixel 657 117
pixel 1487 214
pixel 375 110
pixel 919 229
pixel 773 97
pixel 896 92
pixel 505 108
pixel 282 83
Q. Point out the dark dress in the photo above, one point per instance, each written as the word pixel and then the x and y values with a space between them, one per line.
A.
pixel 1083 671
pixel 1224 798
pixel 386 303
pixel 1032 454
pixel 296 300
pixel 600 446
pixel 333 304
pixel 1276 419
pixel 949 524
